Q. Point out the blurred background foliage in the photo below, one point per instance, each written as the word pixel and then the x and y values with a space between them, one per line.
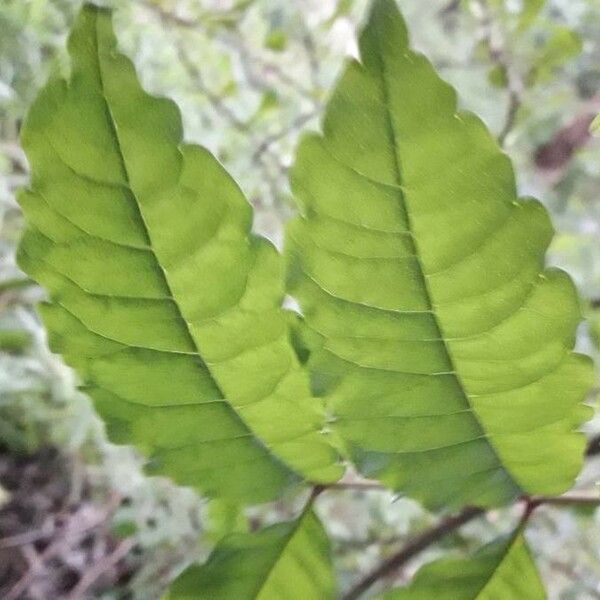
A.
pixel 249 76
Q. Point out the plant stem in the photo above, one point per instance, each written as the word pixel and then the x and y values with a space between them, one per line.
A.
pixel 16 283
pixel 412 548
pixel 450 524
pixel 357 485
pixel 567 500
pixel 593 446
pixel 497 51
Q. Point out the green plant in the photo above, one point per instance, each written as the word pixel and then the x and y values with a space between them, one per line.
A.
pixel 434 352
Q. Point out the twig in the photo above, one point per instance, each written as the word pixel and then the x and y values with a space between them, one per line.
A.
pixel 28 537
pixel 450 524
pixel 498 55
pixel 296 124
pixel 566 500
pixel 412 548
pixel 593 446
pixel 16 283
pixel 91 576
pixel 357 485
pixel 313 61
pixel 68 536
pixel 451 7
pixel 233 41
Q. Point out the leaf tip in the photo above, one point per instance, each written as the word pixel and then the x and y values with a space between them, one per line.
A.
pixel 384 27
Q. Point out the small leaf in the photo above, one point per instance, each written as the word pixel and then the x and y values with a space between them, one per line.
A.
pixel 124 529
pixel 497 76
pixel 501 570
pixel 224 517
pixel 562 45
pixel 531 9
pixel 276 40
pixel 288 561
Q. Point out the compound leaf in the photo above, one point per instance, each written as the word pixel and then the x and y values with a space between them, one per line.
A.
pixel 160 296
pixel 445 349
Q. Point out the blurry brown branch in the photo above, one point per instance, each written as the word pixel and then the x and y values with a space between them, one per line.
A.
pixel 451 7
pixel 357 485
pixel 498 54
pixel 559 150
pixel 412 548
pixel 89 578
pixel 450 524
pixel 76 528
pixel 295 125
pixel 593 446
pixel 553 157
pixel 566 500
pixel 214 98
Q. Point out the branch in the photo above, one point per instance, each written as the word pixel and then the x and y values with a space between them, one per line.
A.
pixel 553 157
pixel 499 57
pixel 412 548
pixel 450 524
pixel 249 60
pixel 296 124
pixel 215 99
pixel 567 500
pixel 593 446
pixel 14 284
pixel 90 577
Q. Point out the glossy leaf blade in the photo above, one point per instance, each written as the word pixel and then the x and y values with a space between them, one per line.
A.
pixel 288 560
pixel 501 570
pixel 446 345
pixel 161 297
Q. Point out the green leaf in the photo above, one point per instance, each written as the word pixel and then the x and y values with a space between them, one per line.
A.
pixel 562 45
pixel 531 9
pixel 224 517
pixel 161 297
pixel 342 8
pixel 14 340
pixel 446 346
pixel 276 40
pixel 501 570
pixel 124 529
pixel 498 77
pixel 288 560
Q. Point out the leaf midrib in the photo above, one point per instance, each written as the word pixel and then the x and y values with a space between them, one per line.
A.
pixel 188 333
pixel 284 547
pixel 506 551
pixel 415 250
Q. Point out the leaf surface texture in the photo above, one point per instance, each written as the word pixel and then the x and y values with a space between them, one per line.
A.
pixel 288 560
pixel 445 350
pixel 160 296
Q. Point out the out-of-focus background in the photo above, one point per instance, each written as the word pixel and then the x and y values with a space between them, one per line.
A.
pixel 77 515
